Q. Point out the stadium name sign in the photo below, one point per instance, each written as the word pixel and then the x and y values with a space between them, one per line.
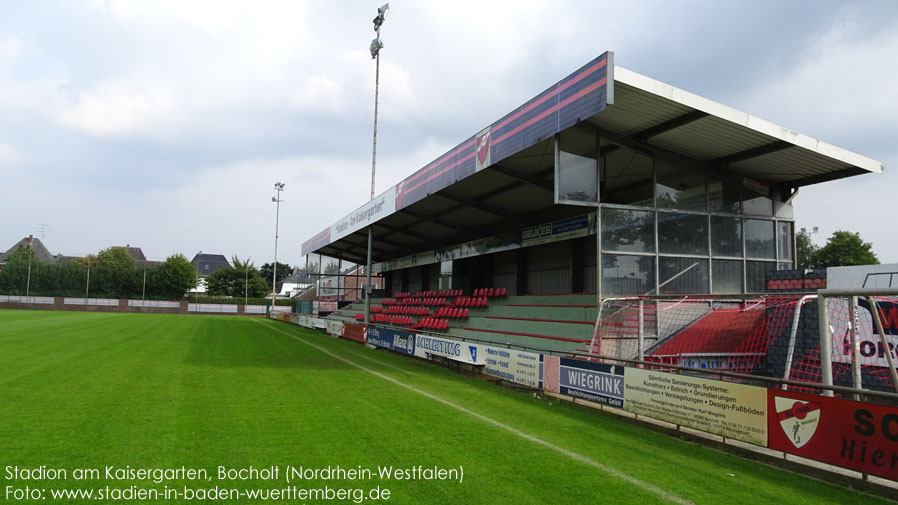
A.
pixel 382 205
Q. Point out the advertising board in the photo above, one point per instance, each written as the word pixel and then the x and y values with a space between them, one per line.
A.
pixel 335 327
pixel 723 408
pixel 856 435
pixel 520 367
pixel 872 352
pixel 354 331
pixel 395 340
pixel 595 382
pixel 428 345
pixel 562 229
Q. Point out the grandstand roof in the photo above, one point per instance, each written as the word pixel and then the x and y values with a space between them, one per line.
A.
pixel 502 179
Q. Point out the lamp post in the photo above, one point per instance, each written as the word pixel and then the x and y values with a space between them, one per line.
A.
pixel 245 282
pixel 278 186
pixel 805 231
pixel 30 255
pixel 87 284
pixel 376 46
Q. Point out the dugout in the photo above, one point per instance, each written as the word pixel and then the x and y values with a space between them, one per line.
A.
pixel 669 192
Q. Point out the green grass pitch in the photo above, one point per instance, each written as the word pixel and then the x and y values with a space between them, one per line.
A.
pixel 87 390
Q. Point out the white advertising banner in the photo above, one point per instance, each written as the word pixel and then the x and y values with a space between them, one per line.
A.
pixel 428 345
pixel 870 349
pixel 516 366
pixel 381 206
pixel 334 327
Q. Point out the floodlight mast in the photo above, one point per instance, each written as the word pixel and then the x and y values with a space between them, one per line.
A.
pixel 278 186
pixel 376 46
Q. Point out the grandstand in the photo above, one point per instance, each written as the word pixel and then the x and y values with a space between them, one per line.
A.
pixel 671 193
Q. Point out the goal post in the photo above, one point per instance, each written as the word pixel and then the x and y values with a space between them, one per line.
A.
pixel 855 319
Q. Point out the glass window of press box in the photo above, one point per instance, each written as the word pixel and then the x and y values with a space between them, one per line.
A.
pixel 668 228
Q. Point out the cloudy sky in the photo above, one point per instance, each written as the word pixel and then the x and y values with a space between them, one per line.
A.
pixel 164 124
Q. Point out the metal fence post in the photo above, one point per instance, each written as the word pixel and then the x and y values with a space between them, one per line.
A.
pixel 883 341
pixel 641 354
pixel 793 335
pixel 826 344
pixel 854 339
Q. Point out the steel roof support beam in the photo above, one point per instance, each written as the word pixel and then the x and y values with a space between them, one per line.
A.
pixel 754 152
pixel 521 176
pixel 650 149
pixel 816 179
pixel 404 231
pixel 440 221
pixel 669 125
pixel 486 207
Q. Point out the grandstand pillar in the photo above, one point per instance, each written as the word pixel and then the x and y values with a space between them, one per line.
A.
pixel 578 262
pixel 641 336
pixel 368 278
pixel 521 270
pixel 599 255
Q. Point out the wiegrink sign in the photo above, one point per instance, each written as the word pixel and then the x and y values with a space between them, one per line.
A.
pixel 595 382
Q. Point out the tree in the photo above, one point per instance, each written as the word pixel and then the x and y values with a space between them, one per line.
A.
pixel 115 273
pixel 845 248
pixel 89 260
pixel 284 271
pixel 239 280
pixel 177 276
pixel 804 250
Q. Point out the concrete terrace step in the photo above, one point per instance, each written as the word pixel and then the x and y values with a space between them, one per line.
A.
pixel 544 312
pixel 575 299
pixel 525 340
pixel 554 329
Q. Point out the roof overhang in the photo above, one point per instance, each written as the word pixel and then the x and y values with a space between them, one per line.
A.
pixel 502 179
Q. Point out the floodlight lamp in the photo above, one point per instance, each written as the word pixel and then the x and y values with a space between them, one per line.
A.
pixel 381 17
pixel 273 199
pixel 376 46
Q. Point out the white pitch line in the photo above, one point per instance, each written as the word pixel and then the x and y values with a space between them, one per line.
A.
pixel 379 362
pixel 489 420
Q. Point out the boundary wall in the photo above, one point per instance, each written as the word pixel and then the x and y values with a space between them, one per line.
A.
pixel 853 440
pixel 132 306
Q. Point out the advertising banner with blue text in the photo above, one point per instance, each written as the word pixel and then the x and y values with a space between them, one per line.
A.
pixel 395 340
pixel 595 382
pixel 428 345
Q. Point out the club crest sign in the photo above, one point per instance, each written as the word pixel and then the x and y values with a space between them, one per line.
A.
pixel 798 419
pixel 482 143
